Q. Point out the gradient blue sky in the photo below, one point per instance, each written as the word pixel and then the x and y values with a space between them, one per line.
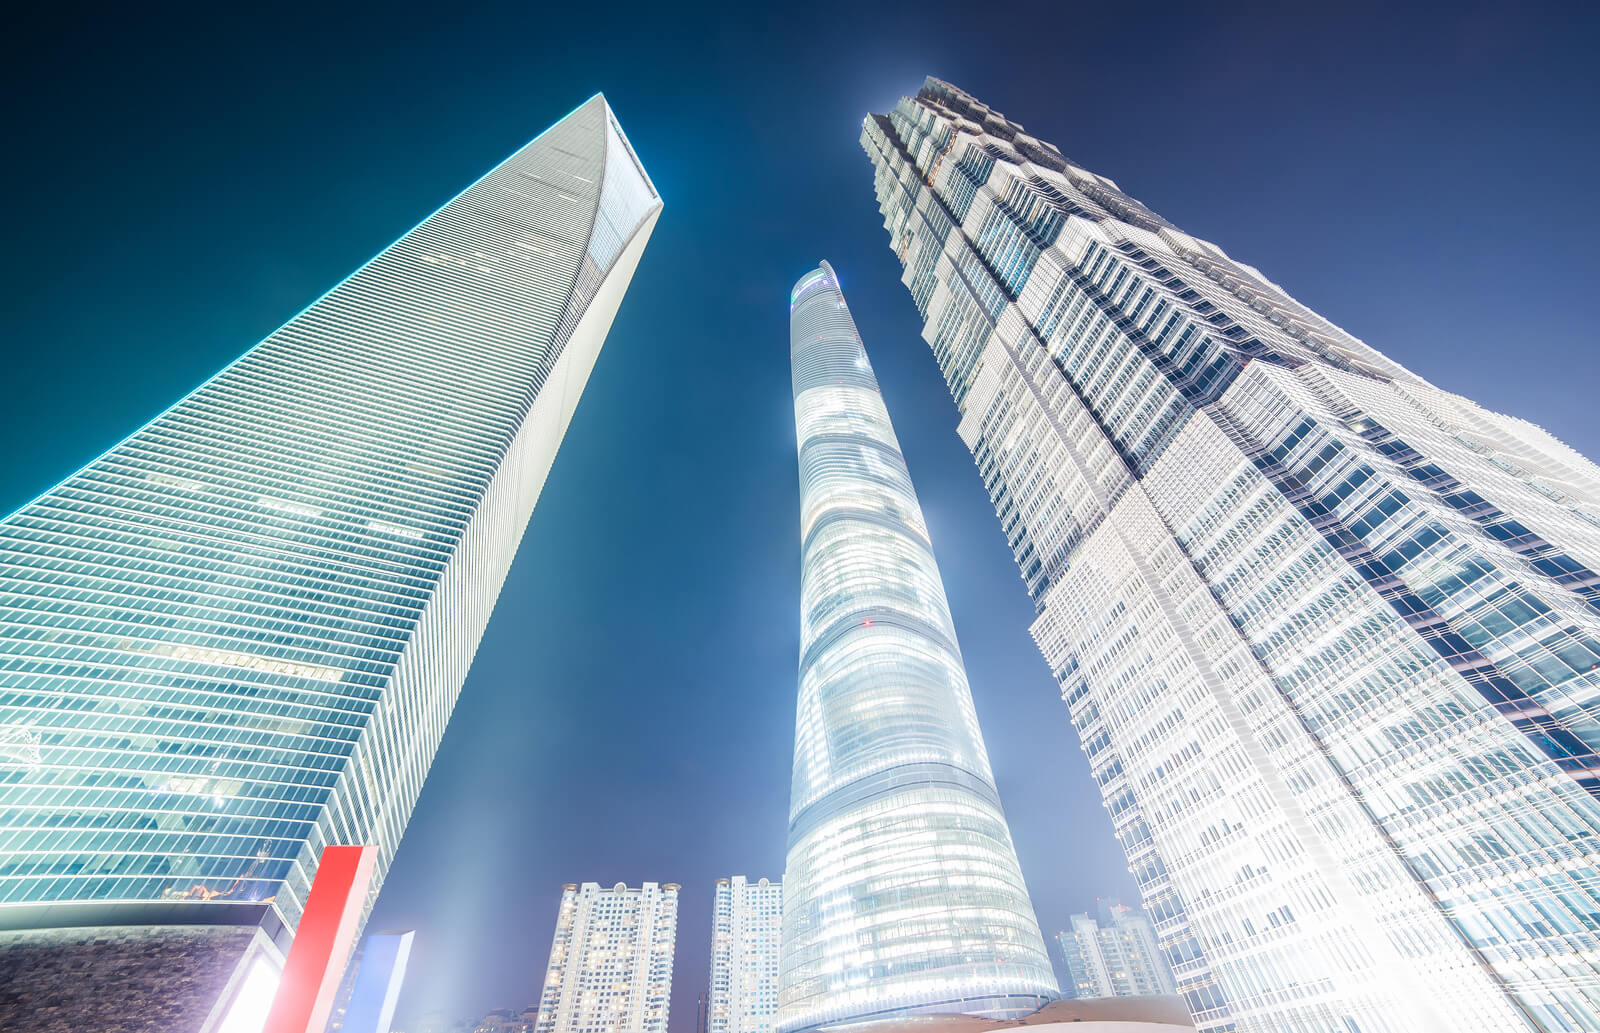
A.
pixel 185 179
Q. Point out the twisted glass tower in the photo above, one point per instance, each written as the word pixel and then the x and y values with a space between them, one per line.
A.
pixel 1329 634
pixel 236 637
pixel 903 893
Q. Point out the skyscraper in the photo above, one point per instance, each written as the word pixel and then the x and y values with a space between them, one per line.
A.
pixel 1114 956
pixel 1328 633
pixel 903 892
pixel 747 922
pixel 236 637
pixel 610 965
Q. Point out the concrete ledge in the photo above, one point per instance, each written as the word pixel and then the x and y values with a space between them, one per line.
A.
pixel 78 915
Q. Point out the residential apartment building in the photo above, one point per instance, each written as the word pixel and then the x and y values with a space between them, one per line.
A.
pixel 746 930
pixel 610 967
pixel 1114 955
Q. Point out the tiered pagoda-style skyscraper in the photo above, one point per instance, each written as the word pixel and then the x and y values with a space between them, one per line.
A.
pixel 1329 634
pixel 237 636
pixel 903 894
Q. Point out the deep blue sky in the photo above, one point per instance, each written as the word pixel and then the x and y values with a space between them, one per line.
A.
pixel 184 180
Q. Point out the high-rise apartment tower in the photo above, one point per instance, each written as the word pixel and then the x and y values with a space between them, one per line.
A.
pixel 1330 635
pixel 610 965
pixel 903 893
pixel 1115 955
pixel 236 637
pixel 747 923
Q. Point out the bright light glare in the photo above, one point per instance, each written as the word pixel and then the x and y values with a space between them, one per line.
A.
pixel 248 1012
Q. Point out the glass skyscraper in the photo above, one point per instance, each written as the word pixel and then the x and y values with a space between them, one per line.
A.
pixel 1328 633
pixel 236 637
pixel 903 893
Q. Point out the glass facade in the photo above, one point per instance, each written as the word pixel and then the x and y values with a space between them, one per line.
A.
pixel 903 893
pixel 1330 635
pixel 236 637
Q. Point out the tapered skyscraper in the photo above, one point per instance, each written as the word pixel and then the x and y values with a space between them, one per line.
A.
pixel 1330 635
pixel 237 636
pixel 903 892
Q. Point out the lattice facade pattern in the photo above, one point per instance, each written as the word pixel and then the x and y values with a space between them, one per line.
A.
pixel 236 637
pixel 1330 635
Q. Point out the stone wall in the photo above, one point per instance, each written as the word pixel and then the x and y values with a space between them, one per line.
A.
pixel 117 979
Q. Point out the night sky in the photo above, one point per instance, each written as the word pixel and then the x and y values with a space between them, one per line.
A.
pixel 182 181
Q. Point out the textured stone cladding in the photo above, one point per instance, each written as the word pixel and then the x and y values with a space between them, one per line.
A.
pixel 116 979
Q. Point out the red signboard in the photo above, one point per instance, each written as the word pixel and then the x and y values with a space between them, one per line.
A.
pixel 322 942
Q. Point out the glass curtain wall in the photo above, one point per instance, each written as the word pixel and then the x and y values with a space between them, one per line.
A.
pixel 903 893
